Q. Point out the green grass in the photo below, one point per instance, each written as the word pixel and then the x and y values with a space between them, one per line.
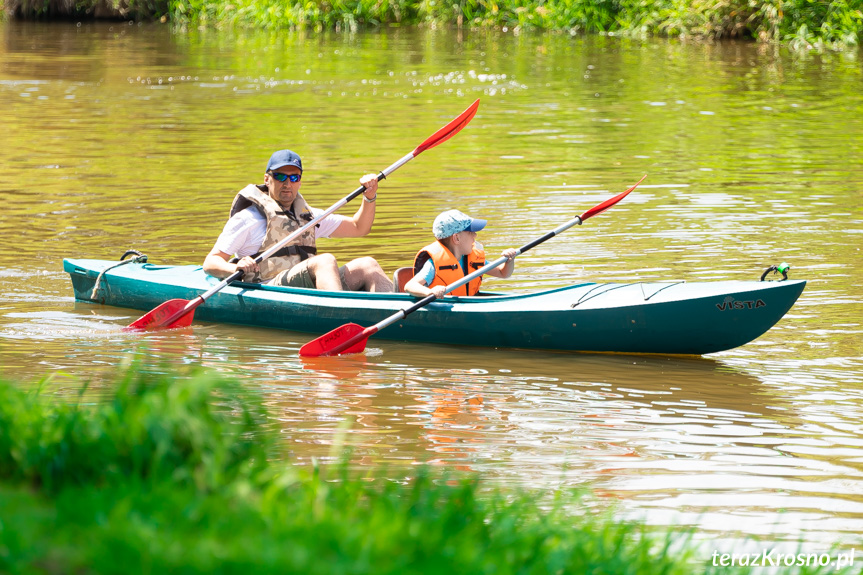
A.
pixel 171 476
pixel 148 432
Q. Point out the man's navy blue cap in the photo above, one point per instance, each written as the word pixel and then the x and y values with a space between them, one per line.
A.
pixel 284 158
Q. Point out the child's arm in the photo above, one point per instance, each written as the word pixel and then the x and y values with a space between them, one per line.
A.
pixel 504 270
pixel 417 287
pixel 417 284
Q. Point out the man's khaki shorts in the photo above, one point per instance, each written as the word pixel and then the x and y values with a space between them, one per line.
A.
pixel 299 276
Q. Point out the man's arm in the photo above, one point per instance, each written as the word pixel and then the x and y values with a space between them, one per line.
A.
pixel 361 222
pixel 217 264
pixel 241 233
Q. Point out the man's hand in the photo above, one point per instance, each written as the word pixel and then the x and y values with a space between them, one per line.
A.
pixel 370 181
pixel 247 265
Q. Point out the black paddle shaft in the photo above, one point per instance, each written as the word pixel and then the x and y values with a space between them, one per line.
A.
pixel 547 236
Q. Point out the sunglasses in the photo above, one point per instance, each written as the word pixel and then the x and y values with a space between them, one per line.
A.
pixel 280 177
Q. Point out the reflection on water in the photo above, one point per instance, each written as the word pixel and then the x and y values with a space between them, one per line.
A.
pixel 119 136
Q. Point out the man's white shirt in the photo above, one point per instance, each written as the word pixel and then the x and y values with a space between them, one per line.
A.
pixel 245 231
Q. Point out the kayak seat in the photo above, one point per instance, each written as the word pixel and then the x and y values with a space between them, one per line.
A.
pixel 400 277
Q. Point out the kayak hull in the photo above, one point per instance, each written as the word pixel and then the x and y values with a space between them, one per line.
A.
pixel 642 317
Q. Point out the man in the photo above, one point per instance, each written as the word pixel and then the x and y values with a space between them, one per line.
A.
pixel 261 215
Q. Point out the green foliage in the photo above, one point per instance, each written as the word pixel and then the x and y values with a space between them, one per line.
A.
pixel 170 477
pixel 801 23
pixel 276 14
pixel 811 23
pixel 102 9
pixel 804 23
pixel 152 430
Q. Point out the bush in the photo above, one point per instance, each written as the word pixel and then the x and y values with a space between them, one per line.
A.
pixel 801 23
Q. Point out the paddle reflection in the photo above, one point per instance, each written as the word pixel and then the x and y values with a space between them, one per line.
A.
pixel 341 368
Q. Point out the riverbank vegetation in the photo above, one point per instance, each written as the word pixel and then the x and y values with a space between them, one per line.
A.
pixel 171 476
pixel 801 23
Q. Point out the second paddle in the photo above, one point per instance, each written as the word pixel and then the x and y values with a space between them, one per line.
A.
pixel 351 337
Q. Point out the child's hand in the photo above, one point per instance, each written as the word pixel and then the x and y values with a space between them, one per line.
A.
pixel 439 291
pixel 510 253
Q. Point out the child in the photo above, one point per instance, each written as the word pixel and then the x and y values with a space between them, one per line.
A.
pixel 454 255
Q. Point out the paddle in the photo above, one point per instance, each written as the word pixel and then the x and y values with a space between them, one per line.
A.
pixel 179 312
pixel 351 337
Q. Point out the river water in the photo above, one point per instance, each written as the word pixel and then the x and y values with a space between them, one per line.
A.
pixel 120 136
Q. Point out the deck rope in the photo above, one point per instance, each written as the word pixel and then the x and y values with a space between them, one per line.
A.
pixel 139 258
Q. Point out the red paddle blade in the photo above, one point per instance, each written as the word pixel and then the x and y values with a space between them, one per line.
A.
pixel 609 202
pixel 163 317
pixel 448 131
pixel 340 340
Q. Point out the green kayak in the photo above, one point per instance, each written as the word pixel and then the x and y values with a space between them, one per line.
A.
pixel 640 317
